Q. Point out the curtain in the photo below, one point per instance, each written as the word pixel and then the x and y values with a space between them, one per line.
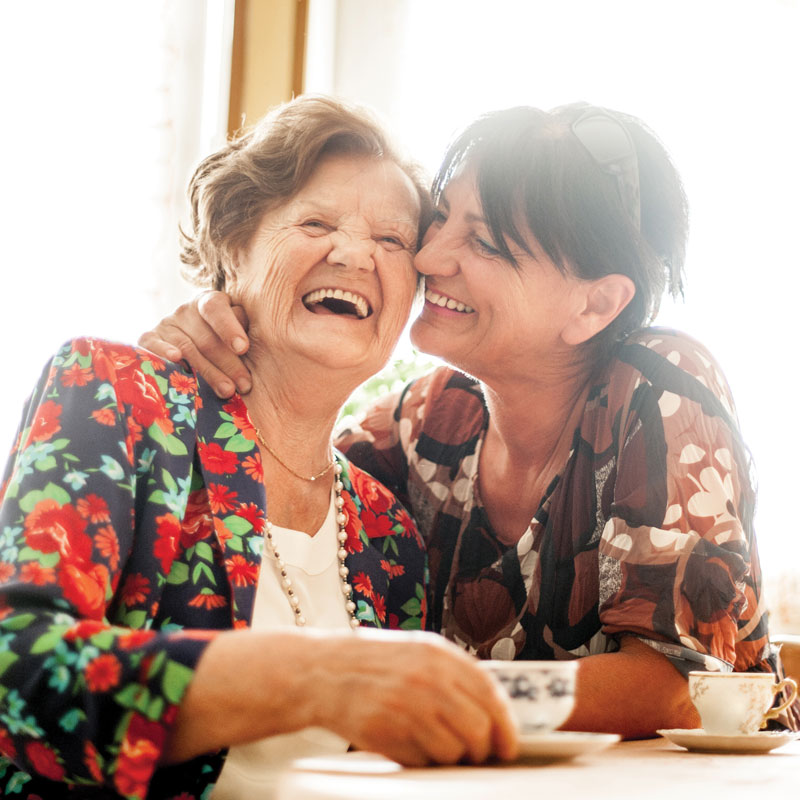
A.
pixel 107 108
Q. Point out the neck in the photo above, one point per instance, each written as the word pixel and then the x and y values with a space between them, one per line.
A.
pixel 530 417
pixel 295 405
pixel 531 425
pixel 297 432
pixel 295 420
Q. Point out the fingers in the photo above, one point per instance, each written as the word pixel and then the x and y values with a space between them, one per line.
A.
pixel 457 726
pixel 412 735
pixel 211 358
pixel 433 704
pixel 483 718
pixel 442 745
pixel 466 736
pixel 228 322
pixel 186 334
pixel 488 724
pixel 505 736
pixel 155 344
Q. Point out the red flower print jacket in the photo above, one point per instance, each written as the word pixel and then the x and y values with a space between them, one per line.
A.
pixel 130 533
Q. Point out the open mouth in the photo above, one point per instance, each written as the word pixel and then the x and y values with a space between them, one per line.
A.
pixel 447 302
pixel 339 302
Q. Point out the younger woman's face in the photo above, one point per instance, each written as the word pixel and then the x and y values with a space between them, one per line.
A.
pixel 483 314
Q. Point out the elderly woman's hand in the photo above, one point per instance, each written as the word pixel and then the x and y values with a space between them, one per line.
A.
pixel 210 334
pixel 411 696
pixel 415 698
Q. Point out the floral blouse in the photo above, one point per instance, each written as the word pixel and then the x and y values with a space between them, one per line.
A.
pixel 647 530
pixel 130 534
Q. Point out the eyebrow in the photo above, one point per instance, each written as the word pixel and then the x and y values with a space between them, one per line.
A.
pixel 469 216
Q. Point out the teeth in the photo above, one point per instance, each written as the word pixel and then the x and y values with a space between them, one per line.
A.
pixel 447 302
pixel 358 302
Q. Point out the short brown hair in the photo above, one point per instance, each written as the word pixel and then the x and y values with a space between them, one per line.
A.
pixel 266 165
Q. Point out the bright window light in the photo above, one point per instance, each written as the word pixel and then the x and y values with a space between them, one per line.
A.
pixel 716 79
pixel 106 111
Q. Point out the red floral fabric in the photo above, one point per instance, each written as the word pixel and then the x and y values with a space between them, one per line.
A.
pixel 130 534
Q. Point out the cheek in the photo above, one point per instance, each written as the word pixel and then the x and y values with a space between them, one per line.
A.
pixel 273 273
pixel 265 293
pixel 255 284
pixel 399 281
pixel 411 281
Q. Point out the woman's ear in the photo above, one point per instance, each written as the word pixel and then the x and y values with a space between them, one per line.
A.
pixel 603 301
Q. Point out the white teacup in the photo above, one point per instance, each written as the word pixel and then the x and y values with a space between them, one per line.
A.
pixel 542 692
pixel 733 703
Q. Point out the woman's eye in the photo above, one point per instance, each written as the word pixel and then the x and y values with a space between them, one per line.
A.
pixel 315 225
pixel 391 242
pixel 438 218
pixel 486 248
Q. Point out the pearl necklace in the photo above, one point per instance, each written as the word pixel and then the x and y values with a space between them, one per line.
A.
pixel 341 553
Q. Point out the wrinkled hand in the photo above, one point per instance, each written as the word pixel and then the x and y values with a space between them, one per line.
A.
pixel 210 334
pixel 414 698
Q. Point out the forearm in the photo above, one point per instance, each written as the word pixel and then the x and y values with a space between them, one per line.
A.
pixel 411 696
pixel 247 685
pixel 633 692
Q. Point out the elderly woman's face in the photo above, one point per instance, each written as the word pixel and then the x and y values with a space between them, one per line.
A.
pixel 330 273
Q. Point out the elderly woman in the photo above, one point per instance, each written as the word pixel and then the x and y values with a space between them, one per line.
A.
pixel 579 479
pixel 165 553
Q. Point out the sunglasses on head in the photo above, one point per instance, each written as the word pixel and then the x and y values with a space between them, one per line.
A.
pixel 610 145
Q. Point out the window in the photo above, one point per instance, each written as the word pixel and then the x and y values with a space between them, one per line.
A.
pixel 108 108
pixel 716 79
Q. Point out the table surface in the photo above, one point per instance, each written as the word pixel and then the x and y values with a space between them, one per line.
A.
pixel 654 769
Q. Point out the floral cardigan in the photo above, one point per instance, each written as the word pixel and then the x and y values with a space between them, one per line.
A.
pixel 130 534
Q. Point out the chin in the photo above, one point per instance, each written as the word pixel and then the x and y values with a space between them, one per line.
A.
pixel 350 349
pixel 343 357
pixel 428 340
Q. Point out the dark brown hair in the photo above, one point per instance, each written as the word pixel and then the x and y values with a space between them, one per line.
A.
pixel 530 168
pixel 266 165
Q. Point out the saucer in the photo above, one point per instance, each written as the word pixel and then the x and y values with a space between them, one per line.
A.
pixel 698 741
pixel 561 745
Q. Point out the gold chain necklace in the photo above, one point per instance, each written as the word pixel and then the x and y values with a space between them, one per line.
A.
pixel 286 466
pixel 341 554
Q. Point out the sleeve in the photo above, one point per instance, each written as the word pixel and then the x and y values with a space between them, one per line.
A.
pixel 84 701
pixel 375 443
pixel 678 559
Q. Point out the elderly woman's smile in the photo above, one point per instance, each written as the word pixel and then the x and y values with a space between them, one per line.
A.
pixel 337 301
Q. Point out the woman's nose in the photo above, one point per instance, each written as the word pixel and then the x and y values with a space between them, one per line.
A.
pixel 356 252
pixel 437 256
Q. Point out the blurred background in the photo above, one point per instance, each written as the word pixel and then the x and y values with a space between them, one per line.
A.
pixel 108 105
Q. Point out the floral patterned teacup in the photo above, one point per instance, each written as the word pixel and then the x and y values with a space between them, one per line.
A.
pixel 542 692
pixel 733 703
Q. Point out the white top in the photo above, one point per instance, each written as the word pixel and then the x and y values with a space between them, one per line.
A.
pixel 252 770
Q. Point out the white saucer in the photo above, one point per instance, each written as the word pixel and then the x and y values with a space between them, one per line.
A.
pixel 561 745
pixel 698 741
